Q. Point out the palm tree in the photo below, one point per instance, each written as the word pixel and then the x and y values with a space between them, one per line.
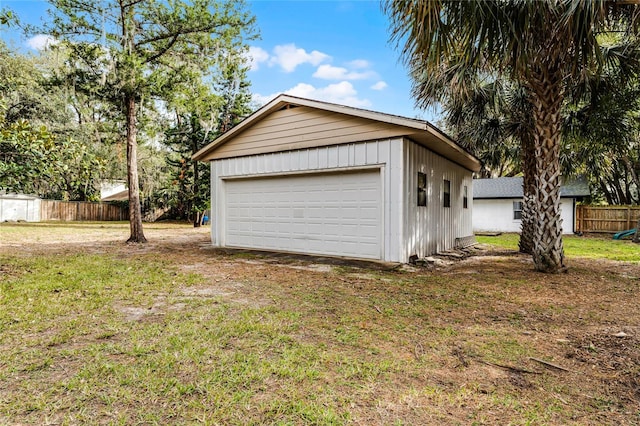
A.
pixel 542 45
pixel 493 121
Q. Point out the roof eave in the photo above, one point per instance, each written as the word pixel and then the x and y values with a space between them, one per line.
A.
pixel 464 158
pixel 283 100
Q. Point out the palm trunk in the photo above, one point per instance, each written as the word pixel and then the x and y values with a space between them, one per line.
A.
pixel 135 213
pixel 548 252
pixel 527 230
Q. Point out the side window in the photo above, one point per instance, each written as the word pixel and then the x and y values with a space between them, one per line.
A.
pixel 422 189
pixel 517 210
pixel 447 193
pixel 465 197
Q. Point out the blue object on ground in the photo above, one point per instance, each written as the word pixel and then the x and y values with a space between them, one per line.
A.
pixel 624 234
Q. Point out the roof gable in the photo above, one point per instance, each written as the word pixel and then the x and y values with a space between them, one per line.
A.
pixel 289 123
pixel 511 187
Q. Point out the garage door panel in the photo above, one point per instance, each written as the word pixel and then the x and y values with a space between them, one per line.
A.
pixel 335 214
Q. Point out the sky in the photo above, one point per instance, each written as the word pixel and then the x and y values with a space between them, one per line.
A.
pixel 335 51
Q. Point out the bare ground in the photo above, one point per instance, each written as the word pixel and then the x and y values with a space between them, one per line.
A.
pixel 571 340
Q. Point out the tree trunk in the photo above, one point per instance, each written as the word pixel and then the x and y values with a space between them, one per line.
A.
pixel 605 191
pixel 135 212
pixel 546 85
pixel 527 230
pixel 195 127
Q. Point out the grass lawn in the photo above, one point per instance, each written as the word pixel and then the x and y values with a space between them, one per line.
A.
pixel 96 331
pixel 591 247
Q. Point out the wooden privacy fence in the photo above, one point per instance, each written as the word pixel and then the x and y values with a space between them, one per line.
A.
pixel 607 218
pixel 70 211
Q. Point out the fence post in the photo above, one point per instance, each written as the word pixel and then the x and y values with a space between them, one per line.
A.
pixel 581 218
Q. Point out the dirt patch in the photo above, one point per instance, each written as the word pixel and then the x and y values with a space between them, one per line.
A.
pixel 454 344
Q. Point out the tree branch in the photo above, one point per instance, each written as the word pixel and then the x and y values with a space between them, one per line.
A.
pixel 133 3
pixel 178 32
pixel 163 50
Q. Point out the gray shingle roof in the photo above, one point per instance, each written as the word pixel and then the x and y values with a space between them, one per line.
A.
pixel 511 187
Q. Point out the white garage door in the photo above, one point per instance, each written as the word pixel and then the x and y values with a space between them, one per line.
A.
pixel 335 214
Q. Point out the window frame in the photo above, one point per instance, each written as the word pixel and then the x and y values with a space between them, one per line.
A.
pixel 422 190
pixel 517 210
pixel 446 193
pixel 465 197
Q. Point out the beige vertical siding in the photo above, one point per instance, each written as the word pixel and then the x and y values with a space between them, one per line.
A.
pixel 434 228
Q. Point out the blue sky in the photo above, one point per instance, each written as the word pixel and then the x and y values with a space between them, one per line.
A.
pixel 337 51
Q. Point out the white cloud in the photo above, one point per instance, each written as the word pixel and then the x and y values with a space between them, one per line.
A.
pixel 329 72
pixel 261 100
pixel 288 56
pixel 41 42
pixel 256 56
pixel 381 85
pixel 340 93
pixel 359 64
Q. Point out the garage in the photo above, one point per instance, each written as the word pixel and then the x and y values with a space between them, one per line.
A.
pixel 306 176
pixel 337 214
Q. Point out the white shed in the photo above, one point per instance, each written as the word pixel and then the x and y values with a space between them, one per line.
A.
pixel 14 207
pixel 497 204
pixel 306 176
pixel 114 190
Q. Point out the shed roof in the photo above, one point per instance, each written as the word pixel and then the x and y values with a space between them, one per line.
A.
pixel 511 187
pixel 14 196
pixel 118 196
pixel 381 125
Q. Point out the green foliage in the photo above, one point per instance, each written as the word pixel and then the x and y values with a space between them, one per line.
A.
pixel 77 91
pixel 188 184
pixel 602 138
pixel 26 158
pixel 37 153
pixel 25 92
pixel 6 17
pixel 131 55
pixel 34 161
pixel 490 121
pixel 233 87
pixel 113 57
pixel 445 42
pixel 200 119
pixel 601 129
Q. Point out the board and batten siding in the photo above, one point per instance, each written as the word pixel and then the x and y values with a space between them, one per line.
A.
pixel 433 228
pixel 300 128
pixel 384 154
pixel 407 229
